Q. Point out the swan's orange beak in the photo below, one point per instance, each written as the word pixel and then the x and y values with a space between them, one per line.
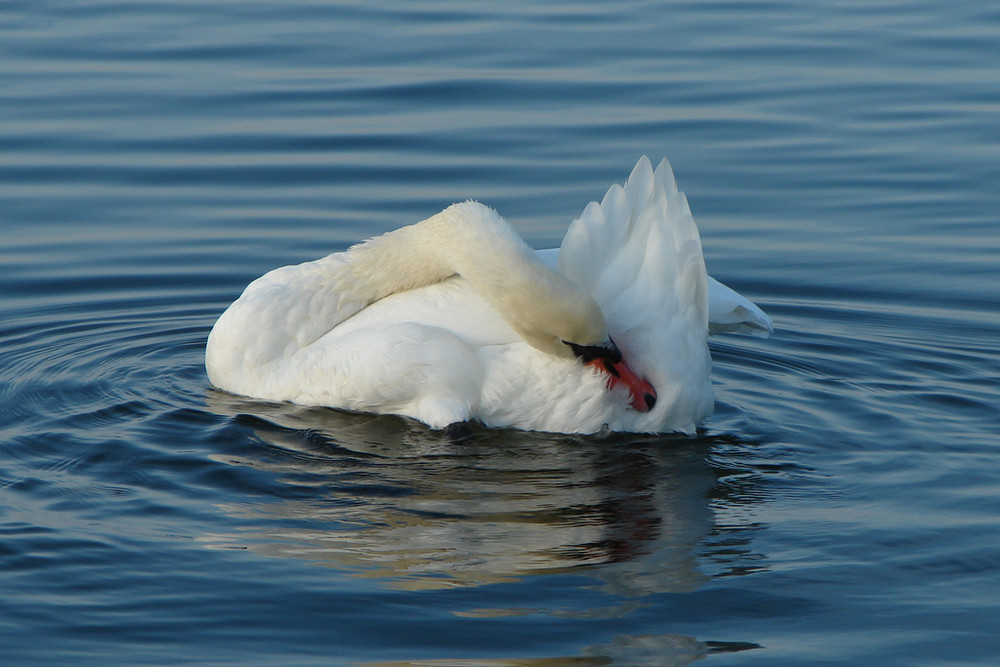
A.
pixel 643 396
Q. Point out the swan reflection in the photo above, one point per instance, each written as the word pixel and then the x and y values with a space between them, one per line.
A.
pixel 387 498
pixel 666 650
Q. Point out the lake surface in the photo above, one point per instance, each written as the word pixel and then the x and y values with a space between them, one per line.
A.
pixel 842 506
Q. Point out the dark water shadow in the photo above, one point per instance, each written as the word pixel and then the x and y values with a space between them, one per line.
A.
pixel 666 650
pixel 387 498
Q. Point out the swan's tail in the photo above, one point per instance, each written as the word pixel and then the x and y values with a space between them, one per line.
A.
pixel 731 312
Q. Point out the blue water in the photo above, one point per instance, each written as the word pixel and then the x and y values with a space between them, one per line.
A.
pixel 842 506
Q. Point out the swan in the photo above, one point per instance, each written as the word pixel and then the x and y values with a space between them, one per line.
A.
pixel 456 319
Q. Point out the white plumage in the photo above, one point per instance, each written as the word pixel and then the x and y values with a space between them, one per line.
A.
pixel 456 319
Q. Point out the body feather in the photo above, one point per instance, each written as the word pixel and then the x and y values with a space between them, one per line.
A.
pixel 455 318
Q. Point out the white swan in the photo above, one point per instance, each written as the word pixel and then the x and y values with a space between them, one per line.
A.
pixel 455 318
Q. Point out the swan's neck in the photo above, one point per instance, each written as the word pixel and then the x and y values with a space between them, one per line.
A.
pixel 473 241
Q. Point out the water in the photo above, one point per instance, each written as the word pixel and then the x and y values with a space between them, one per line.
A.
pixel 841 507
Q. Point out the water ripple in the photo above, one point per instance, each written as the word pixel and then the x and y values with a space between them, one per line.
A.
pixel 841 161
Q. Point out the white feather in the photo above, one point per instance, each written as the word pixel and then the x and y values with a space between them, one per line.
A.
pixel 392 326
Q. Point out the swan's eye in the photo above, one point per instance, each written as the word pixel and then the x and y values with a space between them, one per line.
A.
pixel 591 353
pixel 587 353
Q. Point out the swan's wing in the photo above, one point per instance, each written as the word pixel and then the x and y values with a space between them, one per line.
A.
pixel 451 305
pixel 639 248
pixel 601 247
pixel 414 353
pixel 638 252
pixel 731 312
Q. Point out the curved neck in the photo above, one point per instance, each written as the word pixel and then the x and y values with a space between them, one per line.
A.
pixel 473 241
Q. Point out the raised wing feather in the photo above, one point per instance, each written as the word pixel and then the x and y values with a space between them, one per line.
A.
pixel 639 251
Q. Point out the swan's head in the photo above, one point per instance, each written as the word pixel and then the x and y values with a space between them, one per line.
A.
pixel 607 358
pixel 568 323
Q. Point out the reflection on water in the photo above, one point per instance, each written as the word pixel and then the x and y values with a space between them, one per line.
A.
pixel 392 500
pixel 667 650
pixel 386 499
